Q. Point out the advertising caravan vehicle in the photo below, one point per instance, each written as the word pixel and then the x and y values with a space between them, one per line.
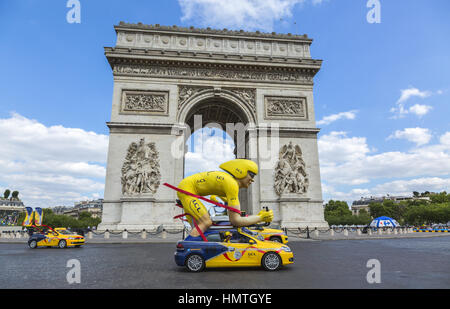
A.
pixel 232 248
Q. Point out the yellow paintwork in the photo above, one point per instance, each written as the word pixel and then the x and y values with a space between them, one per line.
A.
pixel 53 237
pixel 249 254
pixel 268 233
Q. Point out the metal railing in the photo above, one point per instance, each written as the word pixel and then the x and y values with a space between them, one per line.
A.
pixel 304 233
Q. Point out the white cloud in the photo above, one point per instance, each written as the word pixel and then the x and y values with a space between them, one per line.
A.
pixel 336 147
pixel 420 136
pixel 393 188
pixel 420 110
pixel 51 165
pixel 412 92
pixel 352 164
pixel 406 187
pixel 332 118
pixel 209 152
pixel 238 14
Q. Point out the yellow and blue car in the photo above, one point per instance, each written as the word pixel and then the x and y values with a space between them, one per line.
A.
pixel 270 234
pixel 58 237
pixel 232 248
pixel 266 233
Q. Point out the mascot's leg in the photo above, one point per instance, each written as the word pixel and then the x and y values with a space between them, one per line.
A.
pixel 197 210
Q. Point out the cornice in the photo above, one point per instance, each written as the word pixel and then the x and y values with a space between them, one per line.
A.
pixel 198 56
pixel 209 31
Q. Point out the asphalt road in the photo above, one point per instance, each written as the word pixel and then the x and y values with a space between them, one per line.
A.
pixel 403 263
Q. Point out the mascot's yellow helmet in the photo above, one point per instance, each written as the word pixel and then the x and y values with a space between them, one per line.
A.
pixel 239 168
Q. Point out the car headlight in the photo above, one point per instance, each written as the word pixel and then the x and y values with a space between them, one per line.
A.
pixel 286 249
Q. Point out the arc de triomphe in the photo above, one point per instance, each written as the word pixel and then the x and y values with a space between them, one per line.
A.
pixel 170 81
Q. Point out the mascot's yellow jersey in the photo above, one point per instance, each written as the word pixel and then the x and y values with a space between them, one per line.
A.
pixel 217 183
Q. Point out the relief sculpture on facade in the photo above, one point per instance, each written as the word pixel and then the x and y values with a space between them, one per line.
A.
pixel 140 170
pixel 144 102
pixel 290 171
pixel 282 107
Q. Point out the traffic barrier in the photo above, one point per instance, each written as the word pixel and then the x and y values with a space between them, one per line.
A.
pixel 431 231
pixel 305 233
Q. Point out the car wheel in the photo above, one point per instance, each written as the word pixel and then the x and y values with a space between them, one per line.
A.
pixel 275 239
pixel 271 261
pixel 62 244
pixel 195 263
pixel 33 244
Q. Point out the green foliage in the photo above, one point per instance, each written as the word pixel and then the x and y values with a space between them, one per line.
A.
pixel 411 212
pixel 415 212
pixel 437 198
pixel 6 193
pixel 338 213
pixel 15 194
pixel 85 220
pixel 428 214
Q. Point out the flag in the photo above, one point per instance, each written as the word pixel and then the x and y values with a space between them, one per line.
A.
pixel 28 217
pixel 39 214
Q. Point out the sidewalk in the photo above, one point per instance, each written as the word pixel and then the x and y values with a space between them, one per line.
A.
pixel 173 238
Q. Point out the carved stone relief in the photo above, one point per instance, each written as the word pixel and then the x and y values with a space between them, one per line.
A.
pixel 187 92
pixel 285 107
pixel 243 74
pixel 290 171
pixel 245 94
pixel 145 102
pixel 140 170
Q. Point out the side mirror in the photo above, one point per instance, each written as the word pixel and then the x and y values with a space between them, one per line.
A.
pixel 252 242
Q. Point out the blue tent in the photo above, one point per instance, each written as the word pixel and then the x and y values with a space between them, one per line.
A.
pixel 384 221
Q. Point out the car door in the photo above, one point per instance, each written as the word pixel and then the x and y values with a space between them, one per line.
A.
pixel 52 238
pixel 241 252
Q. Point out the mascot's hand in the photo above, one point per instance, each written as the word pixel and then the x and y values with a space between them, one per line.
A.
pixel 214 198
pixel 266 216
pixel 219 199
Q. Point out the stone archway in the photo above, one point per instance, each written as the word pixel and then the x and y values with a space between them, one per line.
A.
pixel 164 76
pixel 227 112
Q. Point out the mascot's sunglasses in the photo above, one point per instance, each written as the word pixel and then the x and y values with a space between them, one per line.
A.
pixel 252 175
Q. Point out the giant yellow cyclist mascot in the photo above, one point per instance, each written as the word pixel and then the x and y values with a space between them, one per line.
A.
pixel 239 173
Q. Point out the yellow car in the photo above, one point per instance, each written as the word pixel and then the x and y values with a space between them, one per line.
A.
pixel 270 234
pixel 266 233
pixel 232 248
pixel 59 237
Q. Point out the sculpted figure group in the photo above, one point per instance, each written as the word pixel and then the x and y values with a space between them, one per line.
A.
pixel 140 171
pixel 290 172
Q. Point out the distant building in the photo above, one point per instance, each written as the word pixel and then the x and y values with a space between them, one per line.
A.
pixel 364 202
pixel 59 210
pixel 95 207
pixel 10 210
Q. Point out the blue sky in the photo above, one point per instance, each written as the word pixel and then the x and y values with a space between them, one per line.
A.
pixel 381 98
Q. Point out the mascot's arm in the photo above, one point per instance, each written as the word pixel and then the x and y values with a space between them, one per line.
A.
pixel 238 221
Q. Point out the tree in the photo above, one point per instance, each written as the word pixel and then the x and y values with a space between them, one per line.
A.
pixel 6 194
pixel 15 195
pixel 439 197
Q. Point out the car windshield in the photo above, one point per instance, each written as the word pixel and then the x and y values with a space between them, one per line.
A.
pixel 65 232
pixel 247 231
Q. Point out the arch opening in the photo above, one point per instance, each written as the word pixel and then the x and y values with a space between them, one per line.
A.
pixel 218 133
